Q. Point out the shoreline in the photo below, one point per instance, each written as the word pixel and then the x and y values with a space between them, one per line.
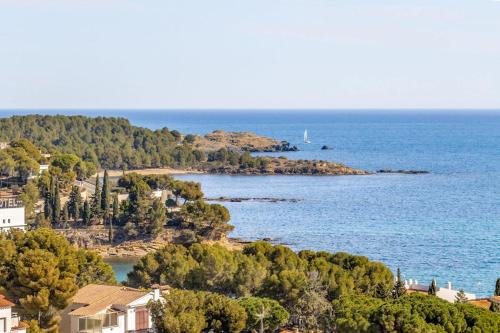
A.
pixel 219 172
pixel 137 249
pixel 152 171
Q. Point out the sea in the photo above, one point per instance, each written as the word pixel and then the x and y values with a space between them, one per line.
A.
pixel 443 225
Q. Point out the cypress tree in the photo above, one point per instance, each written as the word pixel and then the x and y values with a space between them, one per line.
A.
pixel 47 207
pixel 86 212
pixel 65 213
pixel 116 208
pixel 433 288
pixel 105 194
pixel 75 201
pixel 399 287
pixel 96 200
pixel 56 205
pixel 110 231
pixel 497 287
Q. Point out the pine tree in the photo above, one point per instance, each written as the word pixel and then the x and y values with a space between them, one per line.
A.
pixel 86 213
pixel 116 209
pixel 497 288
pixel 105 194
pixel 433 288
pixel 461 298
pixel 157 217
pixel 399 286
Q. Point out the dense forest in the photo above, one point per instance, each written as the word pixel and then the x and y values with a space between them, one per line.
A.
pixel 109 143
pixel 264 287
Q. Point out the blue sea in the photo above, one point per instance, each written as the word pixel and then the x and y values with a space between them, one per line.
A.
pixel 443 225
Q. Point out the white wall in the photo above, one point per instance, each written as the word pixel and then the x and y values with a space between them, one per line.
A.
pixel 15 215
pixel 450 295
pixel 447 293
pixel 6 313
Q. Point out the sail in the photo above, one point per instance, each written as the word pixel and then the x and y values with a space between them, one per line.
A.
pixel 306 137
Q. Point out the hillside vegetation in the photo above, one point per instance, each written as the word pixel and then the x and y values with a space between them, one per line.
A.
pixel 113 143
pixel 110 143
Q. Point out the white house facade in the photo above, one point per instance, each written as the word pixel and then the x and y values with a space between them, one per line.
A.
pixel 448 294
pixel 109 309
pixel 11 214
pixel 9 321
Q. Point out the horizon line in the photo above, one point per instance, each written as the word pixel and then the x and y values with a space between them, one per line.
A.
pixel 255 109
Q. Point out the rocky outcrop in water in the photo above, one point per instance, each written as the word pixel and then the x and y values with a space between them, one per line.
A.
pixel 406 172
pixel 272 200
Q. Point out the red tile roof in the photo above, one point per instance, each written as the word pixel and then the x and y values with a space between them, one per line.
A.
pixel 5 303
pixel 22 325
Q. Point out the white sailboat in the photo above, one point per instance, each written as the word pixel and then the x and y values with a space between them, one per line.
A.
pixel 306 137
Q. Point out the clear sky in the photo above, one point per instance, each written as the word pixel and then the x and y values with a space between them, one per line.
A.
pixel 249 54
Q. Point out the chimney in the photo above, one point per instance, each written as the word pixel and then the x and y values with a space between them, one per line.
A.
pixel 156 292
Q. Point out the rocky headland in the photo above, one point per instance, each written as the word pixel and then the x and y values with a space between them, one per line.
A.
pixel 241 142
pixel 96 239
pixel 284 166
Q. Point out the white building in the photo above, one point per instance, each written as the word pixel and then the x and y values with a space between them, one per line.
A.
pixel 9 321
pixel 109 309
pixel 43 167
pixel 163 195
pixel 11 214
pixel 448 294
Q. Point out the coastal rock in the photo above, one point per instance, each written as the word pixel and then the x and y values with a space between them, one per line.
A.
pixel 406 172
pixel 284 166
pixel 272 200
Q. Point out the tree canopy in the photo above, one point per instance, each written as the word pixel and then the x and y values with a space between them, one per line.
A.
pixel 186 311
pixel 41 271
pixel 111 143
pixel 261 270
pixel 410 313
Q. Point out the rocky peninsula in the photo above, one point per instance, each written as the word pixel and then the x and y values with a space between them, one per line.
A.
pixel 241 142
pixel 284 166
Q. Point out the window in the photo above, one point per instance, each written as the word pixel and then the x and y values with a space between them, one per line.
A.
pixel 141 319
pixel 3 325
pixel 111 319
pixel 89 325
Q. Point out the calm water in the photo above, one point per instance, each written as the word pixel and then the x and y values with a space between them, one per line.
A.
pixel 444 225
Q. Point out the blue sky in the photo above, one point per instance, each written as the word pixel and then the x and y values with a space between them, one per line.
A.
pixel 249 54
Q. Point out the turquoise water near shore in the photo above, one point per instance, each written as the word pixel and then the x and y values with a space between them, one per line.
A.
pixel 443 225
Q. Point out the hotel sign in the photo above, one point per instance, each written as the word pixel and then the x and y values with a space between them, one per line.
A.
pixel 11 202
